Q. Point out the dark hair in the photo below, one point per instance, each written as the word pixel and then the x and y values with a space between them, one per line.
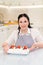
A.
pixel 24 15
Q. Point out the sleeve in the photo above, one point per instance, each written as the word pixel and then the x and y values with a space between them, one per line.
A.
pixel 39 37
pixel 12 38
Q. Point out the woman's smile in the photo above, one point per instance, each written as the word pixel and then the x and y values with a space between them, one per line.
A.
pixel 23 26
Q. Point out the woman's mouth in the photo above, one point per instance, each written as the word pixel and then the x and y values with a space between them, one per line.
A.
pixel 23 26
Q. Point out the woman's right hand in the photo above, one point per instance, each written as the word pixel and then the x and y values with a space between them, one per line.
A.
pixel 5 47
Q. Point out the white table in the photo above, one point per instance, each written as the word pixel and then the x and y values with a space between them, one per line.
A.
pixel 33 58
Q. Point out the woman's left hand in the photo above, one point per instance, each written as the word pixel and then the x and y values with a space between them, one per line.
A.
pixel 33 47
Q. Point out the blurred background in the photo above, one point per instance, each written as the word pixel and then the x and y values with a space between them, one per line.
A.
pixel 9 14
pixel 21 2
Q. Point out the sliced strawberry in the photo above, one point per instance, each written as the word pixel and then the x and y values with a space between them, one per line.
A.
pixel 18 46
pixel 12 46
pixel 25 47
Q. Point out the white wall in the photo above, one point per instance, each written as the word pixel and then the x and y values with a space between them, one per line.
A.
pixel 31 2
pixel 36 17
pixel 21 2
pixel 11 13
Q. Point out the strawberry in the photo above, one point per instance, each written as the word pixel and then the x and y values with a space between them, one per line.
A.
pixel 18 46
pixel 12 46
pixel 25 47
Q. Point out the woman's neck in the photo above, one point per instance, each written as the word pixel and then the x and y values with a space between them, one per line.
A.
pixel 24 31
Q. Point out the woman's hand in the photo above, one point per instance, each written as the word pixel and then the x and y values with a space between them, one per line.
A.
pixel 36 45
pixel 5 47
pixel 33 47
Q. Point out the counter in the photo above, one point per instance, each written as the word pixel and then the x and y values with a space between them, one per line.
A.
pixel 33 58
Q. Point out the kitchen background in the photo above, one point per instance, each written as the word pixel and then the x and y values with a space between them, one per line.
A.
pixel 8 16
pixel 21 2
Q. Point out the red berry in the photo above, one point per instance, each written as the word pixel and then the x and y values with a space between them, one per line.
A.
pixel 12 46
pixel 25 47
pixel 18 46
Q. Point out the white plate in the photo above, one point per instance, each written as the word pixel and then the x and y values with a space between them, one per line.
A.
pixel 18 51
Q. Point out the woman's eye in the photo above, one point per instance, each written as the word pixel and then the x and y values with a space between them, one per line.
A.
pixel 25 21
pixel 20 21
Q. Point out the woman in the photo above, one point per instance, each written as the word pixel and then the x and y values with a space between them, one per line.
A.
pixel 25 35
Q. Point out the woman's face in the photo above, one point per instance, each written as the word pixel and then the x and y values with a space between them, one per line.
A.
pixel 23 23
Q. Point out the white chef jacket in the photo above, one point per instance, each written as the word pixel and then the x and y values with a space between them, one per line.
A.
pixel 37 37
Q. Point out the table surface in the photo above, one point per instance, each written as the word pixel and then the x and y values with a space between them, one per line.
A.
pixel 33 58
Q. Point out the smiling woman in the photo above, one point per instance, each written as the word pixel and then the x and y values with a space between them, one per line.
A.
pixel 25 35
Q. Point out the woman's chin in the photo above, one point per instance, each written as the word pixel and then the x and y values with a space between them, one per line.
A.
pixel 23 29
